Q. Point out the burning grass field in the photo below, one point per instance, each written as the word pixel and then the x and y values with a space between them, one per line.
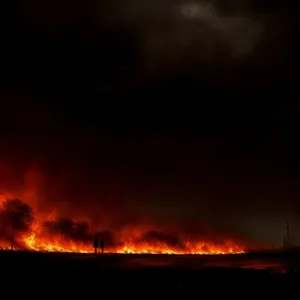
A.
pixel 58 275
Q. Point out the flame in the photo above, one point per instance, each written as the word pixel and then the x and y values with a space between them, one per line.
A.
pixel 200 248
pixel 130 242
pixel 59 244
pixel 38 240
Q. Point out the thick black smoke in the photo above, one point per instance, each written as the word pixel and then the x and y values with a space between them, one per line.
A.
pixel 77 231
pixel 16 219
pixel 81 232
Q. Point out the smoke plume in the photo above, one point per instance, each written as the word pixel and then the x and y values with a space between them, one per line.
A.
pixel 77 231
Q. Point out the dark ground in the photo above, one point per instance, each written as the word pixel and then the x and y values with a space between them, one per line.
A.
pixel 39 275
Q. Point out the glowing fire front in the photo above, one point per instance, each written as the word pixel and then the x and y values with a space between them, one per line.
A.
pixel 31 242
pixel 36 242
pixel 20 230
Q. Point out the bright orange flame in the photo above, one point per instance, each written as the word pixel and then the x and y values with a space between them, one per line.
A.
pixel 131 242
pixel 38 240
pixel 59 244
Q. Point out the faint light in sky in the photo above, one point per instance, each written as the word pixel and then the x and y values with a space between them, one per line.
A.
pixel 241 32
pixel 198 11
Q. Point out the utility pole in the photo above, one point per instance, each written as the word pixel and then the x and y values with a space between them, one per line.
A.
pixel 286 238
pixel 287 234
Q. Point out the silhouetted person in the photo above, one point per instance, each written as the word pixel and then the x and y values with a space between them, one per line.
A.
pixel 102 246
pixel 96 245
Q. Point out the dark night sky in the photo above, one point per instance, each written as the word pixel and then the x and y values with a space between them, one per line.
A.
pixel 165 110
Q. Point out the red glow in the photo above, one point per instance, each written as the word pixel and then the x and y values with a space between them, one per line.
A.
pixel 130 240
pixel 38 240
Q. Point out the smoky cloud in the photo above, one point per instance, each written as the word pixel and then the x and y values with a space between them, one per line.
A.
pixel 124 43
pixel 241 33
pixel 77 231
pixel 169 239
pixel 17 217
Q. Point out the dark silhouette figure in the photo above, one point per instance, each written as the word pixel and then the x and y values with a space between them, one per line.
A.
pixel 96 245
pixel 102 246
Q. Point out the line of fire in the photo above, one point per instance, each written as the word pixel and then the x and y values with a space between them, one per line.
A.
pixel 20 230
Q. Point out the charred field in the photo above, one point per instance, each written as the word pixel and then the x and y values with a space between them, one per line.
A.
pixel 61 275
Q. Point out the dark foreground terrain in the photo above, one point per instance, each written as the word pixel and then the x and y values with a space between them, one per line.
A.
pixel 46 276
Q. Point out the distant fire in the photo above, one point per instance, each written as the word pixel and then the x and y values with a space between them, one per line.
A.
pixel 38 241
pixel 21 231
pixel 59 245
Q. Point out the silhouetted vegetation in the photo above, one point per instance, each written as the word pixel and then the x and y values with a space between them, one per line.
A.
pixel 15 219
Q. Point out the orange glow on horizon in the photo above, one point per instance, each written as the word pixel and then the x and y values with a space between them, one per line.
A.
pixel 198 248
pixel 37 240
pixel 129 241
